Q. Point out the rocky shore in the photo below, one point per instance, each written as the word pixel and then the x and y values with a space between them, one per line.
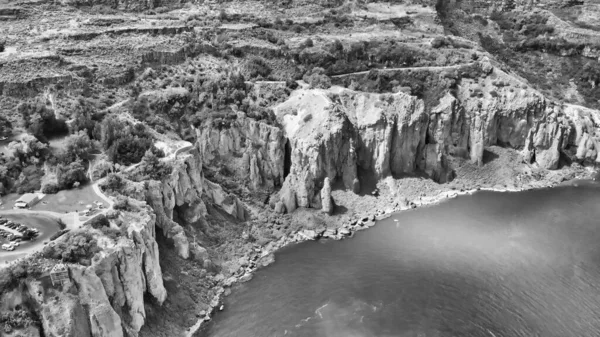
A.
pixel 263 256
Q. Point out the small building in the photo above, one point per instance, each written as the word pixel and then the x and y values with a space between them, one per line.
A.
pixel 60 274
pixel 27 200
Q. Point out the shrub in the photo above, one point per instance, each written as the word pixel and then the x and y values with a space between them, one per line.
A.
pixel 50 188
pixel 68 175
pixel 439 42
pixel 307 118
pixel 74 247
pixel 17 318
pixel 101 169
pixel 58 234
pixel 257 66
pixel 223 15
pixel 125 143
pixel 98 222
pixel 113 183
pixel 317 78
pixel 151 168
pixel 40 120
pixel 308 43
pixel 122 203
pixel 5 124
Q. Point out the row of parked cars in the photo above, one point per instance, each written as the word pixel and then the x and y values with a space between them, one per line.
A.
pixel 26 233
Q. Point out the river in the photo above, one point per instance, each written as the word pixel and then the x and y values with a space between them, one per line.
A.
pixel 489 264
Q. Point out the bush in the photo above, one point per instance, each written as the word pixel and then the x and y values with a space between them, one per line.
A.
pixel 68 175
pixel 122 203
pixel 5 124
pixel 98 222
pixel 317 78
pixel 223 15
pixel 74 247
pixel 58 234
pixel 439 42
pixel 40 120
pixel 50 188
pixel 125 144
pixel 17 318
pixel 113 183
pixel 101 169
pixel 256 66
pixel 151 168
pixel 308 43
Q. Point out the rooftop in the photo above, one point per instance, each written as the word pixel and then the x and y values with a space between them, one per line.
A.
pixel 28 197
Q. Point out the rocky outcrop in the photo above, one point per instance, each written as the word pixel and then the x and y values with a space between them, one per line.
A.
pixel 123 5
pixel 251 149
pixel 182 190
pixel 226 201
pixel 326 201
pixel 105 298
pixel 489 6
pixel 335 133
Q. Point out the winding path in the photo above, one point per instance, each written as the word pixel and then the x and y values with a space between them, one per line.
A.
pixel 385 70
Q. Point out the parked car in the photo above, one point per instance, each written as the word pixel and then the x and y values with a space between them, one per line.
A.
pixel 8 247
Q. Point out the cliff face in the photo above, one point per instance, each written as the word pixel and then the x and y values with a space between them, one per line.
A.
pixel 251 149
pixel 125 5
pixel 335 133
pixel 105 298
pixel 181 194
pixel 489 6
pixel 182 189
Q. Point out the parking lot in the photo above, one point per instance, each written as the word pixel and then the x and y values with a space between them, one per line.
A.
pixel 45 226
pixel 10 229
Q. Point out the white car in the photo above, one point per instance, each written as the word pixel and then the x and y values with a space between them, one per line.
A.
pixel 8 247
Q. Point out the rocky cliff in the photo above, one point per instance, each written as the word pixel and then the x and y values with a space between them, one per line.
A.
pixel 251 149
pixel 106 297
pixel 489 6
pixel 338 132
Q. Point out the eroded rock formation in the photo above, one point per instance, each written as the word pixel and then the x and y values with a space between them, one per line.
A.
pixel 336 133
pixel 248 148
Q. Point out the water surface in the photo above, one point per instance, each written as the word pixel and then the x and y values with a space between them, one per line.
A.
pixel 490 264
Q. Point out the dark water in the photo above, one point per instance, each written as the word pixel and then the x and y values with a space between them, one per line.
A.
pixel 491 264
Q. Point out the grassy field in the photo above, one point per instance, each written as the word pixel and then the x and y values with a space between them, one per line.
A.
pixel 8 200
pixel 71 200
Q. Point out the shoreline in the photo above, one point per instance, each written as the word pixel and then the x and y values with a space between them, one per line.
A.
pixel 343 231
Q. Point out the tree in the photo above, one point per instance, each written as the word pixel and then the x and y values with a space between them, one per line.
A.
pixel 40 120
pixel 82 117
pixel 152 168
pixel 256 66
pixel 67 175
pixel 99 221
pixel 78 146
pixel 5 126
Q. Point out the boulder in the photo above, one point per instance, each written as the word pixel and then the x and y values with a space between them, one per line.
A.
pixel 309 234
pixel 344 231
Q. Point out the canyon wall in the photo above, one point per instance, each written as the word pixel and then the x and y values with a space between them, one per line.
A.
pixel 105 298
pixel 248 148
pixel 336 133
pixel 489 6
